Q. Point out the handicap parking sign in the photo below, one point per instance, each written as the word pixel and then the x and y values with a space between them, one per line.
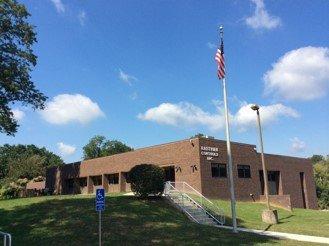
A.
pixel 100 199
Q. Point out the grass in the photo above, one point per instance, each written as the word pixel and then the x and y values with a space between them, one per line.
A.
pixel 300 221
pixel 71 220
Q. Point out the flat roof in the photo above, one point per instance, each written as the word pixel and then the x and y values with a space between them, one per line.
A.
pixel 184 140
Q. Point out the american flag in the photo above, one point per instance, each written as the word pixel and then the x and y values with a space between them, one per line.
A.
pixel 220 61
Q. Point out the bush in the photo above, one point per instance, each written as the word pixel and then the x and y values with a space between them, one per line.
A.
pixel 13 189
pixel 147 179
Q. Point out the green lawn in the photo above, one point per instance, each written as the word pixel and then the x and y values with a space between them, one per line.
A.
pixel 71 220
pixel 300 221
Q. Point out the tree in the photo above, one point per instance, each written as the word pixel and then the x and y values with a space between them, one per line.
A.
pixel 16 62
pixel 146 179
pixel 321 174
pixel 25 161
pixel 98 146
pixel 198 135
pixel 316 158
pixel 26 166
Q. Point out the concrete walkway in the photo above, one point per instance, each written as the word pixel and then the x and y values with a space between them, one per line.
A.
pixel 283 235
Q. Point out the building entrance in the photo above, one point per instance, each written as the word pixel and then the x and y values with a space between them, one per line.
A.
pixel 169 173
pixel 273 182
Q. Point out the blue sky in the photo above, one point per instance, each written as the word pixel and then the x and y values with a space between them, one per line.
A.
pixel 143 72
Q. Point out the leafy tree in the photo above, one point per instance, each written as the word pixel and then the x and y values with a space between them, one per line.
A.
pixel 321 173
pixel 198 135
pixel 16 62
pixel 146 179
pixel 25 161
pixel 316 158
pixel 26 166
pixel 98 146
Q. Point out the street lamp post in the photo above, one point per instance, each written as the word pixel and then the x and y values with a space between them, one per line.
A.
pixel 269 216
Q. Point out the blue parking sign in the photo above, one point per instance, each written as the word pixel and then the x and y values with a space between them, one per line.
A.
pixel 100 199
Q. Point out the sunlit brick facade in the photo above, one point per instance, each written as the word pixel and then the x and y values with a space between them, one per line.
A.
pixel 201 162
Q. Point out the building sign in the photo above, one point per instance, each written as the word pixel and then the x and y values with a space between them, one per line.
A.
pixel 209 152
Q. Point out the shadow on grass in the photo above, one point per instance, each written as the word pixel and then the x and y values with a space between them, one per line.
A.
pixel 126 221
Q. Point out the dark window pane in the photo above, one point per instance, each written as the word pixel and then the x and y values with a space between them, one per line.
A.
pixel 126 175
pixel 247 173
pixel 244 171
pixel 240 173
pixel 218 170
pixel 222 170
pixel 214 170
pixel 113 178
pixel 97 180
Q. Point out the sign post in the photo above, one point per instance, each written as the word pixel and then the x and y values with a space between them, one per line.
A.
pixel 100 206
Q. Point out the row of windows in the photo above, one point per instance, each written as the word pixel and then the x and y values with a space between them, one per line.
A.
pixel 219 171
pixel 97 180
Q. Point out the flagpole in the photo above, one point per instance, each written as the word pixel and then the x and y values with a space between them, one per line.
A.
pixel 228 145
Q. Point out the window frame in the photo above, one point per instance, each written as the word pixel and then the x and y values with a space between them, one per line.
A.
pixel 221 171
pixel 246 171
pixel 113 178
pixel 97 180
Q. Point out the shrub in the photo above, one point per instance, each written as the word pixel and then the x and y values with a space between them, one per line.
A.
pixel 147 179
pixel 13 189
pixel 39 179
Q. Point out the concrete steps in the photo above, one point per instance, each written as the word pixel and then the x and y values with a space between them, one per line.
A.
pixel 192 209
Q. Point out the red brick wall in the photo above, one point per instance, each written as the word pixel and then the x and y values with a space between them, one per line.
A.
pixel 290 167
pixel 219 187
pixel 244 154
pixel 180 154
pixel 186 153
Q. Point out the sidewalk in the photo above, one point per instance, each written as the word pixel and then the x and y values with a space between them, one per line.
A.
pixel 283 235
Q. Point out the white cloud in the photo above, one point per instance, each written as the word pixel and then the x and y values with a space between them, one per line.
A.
pixel 65 149
pixel 126 77
pixel 297 145
pixel 261 18
pixel 59 6
pixel 185 114
pixel 301 74
pixel 182 114
pixel 211 45
pixel 18 114
pixel 66 108
pixel 246 117
pixel 82 17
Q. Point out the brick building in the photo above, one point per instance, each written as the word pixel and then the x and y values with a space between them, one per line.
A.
pixel 202 163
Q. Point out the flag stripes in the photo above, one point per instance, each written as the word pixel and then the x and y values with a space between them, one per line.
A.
pixel 219 57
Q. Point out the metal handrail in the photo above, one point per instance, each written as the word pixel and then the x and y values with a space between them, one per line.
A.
pixel 5 235
pixel 186 184
pixel 182 207
pixel 222 217
pixel 219 211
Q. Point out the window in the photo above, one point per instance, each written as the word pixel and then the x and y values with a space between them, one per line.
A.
pixel 218 170
pixel 97 180
pixel 113 178
pixel 126 175
pixel 244 171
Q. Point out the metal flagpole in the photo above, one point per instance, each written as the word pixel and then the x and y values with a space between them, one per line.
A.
pixel 100 228
pixel 228 144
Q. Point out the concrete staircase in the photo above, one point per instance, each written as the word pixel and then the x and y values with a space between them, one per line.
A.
pixel 197 207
